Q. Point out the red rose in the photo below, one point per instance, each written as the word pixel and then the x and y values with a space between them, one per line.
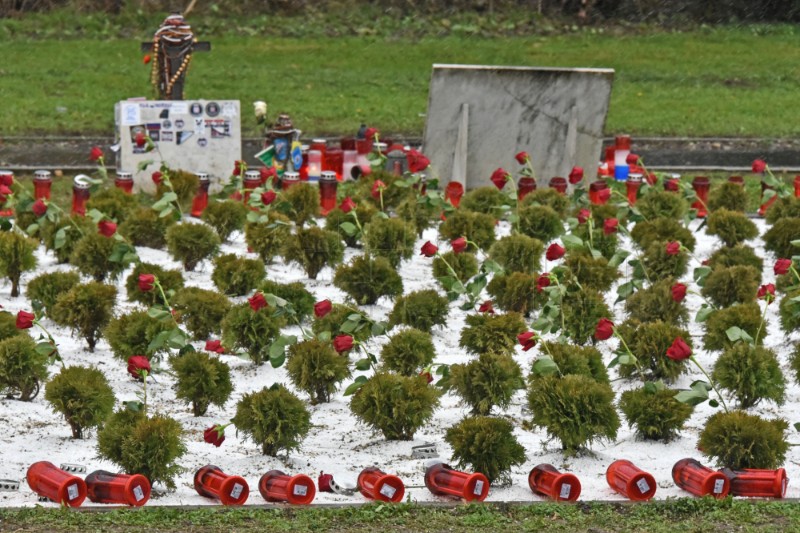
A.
pixel 146 282
pixel 651 178
pixel 459 245
pixel 673 248
pixel 5 190
pixel 610 226
pixel 542 281
pixel 147 59
pixel 486 307
pixel 138 365
pixel 25 320
pixel 257 301
pixel 782 266
pixel 215 346
pixel 106 228
pixel 6 179
pixel 214 435
pixel 555 251
pixel 604 329
pixel 759 166
pixel 267 173
pixel 267 197
pixel 417 162
pixel 347 205
pixel 632 159
pixel 157 177
pixel 528 340
pixel 39 208
pixel 324 482
pixel 583 215
pixel 342 343
pixel 671 185
pixel 429 249
pixel 576 175
pixel 238 167
pixel 377 187
pixel 679 350
pixel 427 376
pixel 140 139
pixel 95 154
pixel 766 292
pixel 322 308
pixel 522 157
pixel 370 133
pixel 603 195
pixel 499 178
pixel 678 292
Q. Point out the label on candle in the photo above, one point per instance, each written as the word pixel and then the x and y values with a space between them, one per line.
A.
pixel 138 493
pixel 300 490
pixel 643 486
pixel 566 488
pixel 388 491
pixel 72 491
pixel 718 486
pixel 237 490
pixel 478 488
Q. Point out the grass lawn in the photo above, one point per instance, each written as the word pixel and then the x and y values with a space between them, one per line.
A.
pixel 737 81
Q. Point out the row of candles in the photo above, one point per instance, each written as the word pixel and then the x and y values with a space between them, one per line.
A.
pixel 624 477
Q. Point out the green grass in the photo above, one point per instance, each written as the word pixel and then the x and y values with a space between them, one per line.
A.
pixel 676 515
pixel 729 81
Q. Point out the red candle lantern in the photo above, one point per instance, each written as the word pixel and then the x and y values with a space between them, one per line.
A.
pixel 333 161
pixel 693 477
pixel 607 166
pixel 320 145
pixel 105 487
pixel 632 187
pixel 545 480
pixel 701 185
pixel 211 482
pixel 327 191
pixel 558 183
pixel 630 481
pixel 252 179
pixel 200 201
pixel 768 203
pixel 80 194
pixel 444 481
pixel 314 166
pixel 378 485
pixel 124 181
pixel 797 186
pixel 757 483
pixel 42 182
pixel 347 143
pixel 49 481
pixel 739 180
pixel 275 486
pixel 289 179
pixel 525 186
pixel 595 192
pixel 453 193
pixel 7 177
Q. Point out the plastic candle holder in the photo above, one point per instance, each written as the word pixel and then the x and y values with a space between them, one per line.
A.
pixel 697 479
pixel 210 481
pixel 630 481
pixel 701 185
pixel 106 487
pixel 595 189
pixel 558 183
pixel 546 481
pixel 275 486
pixel 378 485
pixel 757 483
pixel 327 191
pixel 525 186
pixel 49 481
pixel 42 182
pixel 80 194
pixel 200 201
pixel 632 187
pixel 444 481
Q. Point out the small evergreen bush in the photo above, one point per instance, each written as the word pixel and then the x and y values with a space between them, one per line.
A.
pixel 779 237
pixel 392 194
pixel 655 415
pixel 540 222
pixel 420 309
pixel 579 360
pixel 649 342
pixel 655 303
pixel 732 227
pixel 488 381
pixel 605 244
pixel 662 204
pixel 22 367
pixel 794 362
pixel 551 198
pixel 486 445
pixel 789 311
pixel 201 310
pixel 113 202
pixel 267 239
pixel 171 281
pixel 465 265
pixel 314 249
pixel 225 217
pixel 44 289
pixel 190 243
pixel 184 184
pixel 8 326
pixel 731 196
pixel 476 227
pixel 83 396
pixel 131 333
pixel 662 230
pixel 366 279
pixel 315 368
pixel 295 293
pixel 746 316
pixel 408 352
pixel 582 309
pixel 739 440
pixel 391 238
pixel 92 256
pixel 202 380
pixel 333 321
pixel 61 237
pixel 486 333
pixel 750 374
pixel 16 256
pixel 518 253
pixel 486 200
pixel 143 227
pixel 251 331
pixel 336 217
pixel 736 255
pixel 274 418
pixel 304 201
pixel 515 292
pixel 422 214
pixel 783 208
pixel 659 264
pixel 591 272
pixel 236 276
pixel 86 309
pixel 725 286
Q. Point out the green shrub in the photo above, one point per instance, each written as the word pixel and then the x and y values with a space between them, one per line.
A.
pixel 783 208
pixel 267 239
pixel 184 184
pixel 143 227
pixel 336 217
pixel 582 309
pixel 315 368
pixel 574 409
pixel 171 281
pixel 465 265
pixel 83 396
pixel 518 253
pixel 732 227
pixel 662 230
pixel 392 194
pixel 515 292
pixel 366 279
pixel 731 196
pixel 659 264
pixel 779 237
pixel 202 380
pixel 655 303
pixel 486 333
pixel 274 418
pixel 736 255
pixel 662 204
pixel 225 217
pixel 237 276
pixel 601 213
pixel 476 227
pixel 750 374
pixel 144 445
pixel 16 256
pixel 314 249
pixel 86 309
pixel 8 326
pixel 727 286
pixel 605 244
pixel 488 381
pixel 395 405
pixel 251 331
pixel 333 321
pixel 422 214
pixel 486 200
pixel 92 256
pixel 44 289
pixel 746 316
pixel 790 312
pixel 738 440
pixel 420 309
pixel 62 236
pixel 591 272
pixel 550 198
pixel 654 415
pixel 22 368
pixel 579 360
pixel 304 201
pixel 486 445
pixel 391 238
pixel 115 203
pixel 201 310
pixel 408 352
pixel 190 243
pixel 540 222
pixel 131 333
pixel 649 342
pixel 794 362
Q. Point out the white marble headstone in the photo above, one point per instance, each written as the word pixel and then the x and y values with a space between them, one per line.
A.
pixel 480 116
